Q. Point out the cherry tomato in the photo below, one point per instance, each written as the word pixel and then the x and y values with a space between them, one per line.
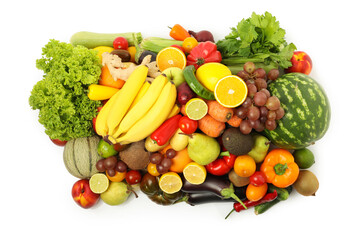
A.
pixel 120 43
pixel 151 168
pixel 187 125
pixel 58 142
pixel 254 193
pixel 189 43
pixel 133 177
pixel 258 178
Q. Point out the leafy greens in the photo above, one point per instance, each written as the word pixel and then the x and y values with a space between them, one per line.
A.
pixel 61 96
pixel 257 39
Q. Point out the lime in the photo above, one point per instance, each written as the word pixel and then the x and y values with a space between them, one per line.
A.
pixel 196 108
pixel 105 149
pixel 170 182
pixel 99 183
pixel 195 173
pixel 304 158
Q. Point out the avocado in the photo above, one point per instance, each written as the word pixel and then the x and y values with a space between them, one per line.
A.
pixel 236 142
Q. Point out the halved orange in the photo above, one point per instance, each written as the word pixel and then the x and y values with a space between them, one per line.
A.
pixel 230 91
pixel 170 57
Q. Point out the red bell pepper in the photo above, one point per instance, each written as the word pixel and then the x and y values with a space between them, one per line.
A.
pixel 166 130
pixel 204 52
pixel 221 166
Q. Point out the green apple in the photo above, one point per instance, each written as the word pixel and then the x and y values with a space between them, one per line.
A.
pixel 117 193
pixel 175 74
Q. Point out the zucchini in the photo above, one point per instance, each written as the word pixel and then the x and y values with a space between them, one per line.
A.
pixel 195 85
pixel 92 40
pixel 283 194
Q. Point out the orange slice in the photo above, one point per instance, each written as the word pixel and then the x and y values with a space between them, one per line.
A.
pixel 230 91
pixel 170 57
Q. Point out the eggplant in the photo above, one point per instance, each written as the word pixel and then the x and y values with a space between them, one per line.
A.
pixel 208 197
pixel 219 186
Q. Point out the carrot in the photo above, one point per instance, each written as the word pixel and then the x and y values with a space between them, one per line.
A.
pixel 107 80
pixel 218 112
pixel 211 126
pixel 234 121
pixel 182 110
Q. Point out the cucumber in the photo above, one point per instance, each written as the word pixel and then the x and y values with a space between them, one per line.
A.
pixel 92 40
pixel 195 85
pixel 283 194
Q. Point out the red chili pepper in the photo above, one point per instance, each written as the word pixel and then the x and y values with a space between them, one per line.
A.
pixel 204 52
pixel 221 166
pixel 166 130
pixel 267 198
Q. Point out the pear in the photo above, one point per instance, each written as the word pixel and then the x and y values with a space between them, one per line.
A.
pixel 260 149
pixel 117 193
pixel 202 148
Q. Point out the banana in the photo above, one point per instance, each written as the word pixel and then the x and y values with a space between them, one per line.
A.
pixel 101 119
pixel 126 96
pixel 140 94
pixel 143 106
pixel 154 117
pixel 175 110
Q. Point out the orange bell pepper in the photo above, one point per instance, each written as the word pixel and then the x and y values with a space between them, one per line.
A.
pixel 279 168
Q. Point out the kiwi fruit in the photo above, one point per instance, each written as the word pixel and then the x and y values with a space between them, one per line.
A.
pixel 237 180
pixel 307 183
pixel 236 142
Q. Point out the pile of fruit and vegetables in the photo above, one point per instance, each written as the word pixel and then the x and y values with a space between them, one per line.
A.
pixel 186 119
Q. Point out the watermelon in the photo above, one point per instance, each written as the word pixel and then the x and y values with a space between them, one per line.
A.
pixel 307 111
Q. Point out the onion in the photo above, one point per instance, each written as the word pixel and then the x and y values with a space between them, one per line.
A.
pixel 202 36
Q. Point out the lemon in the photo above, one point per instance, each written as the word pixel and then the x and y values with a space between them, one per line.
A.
pixel 101 49
pixel 99 183
pixel 196 108
pixel 194 173
pixel 210 73
pixel 170 182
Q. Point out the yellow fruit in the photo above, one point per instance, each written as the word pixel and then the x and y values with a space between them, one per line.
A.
pixel 98 183
pixel 196 108
pixel 170 182
pixel 231 91
pixel 170 57
pixel 210 73
pixel 194 173
pixel 101 49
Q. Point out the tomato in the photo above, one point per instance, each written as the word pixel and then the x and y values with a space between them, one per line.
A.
pixel 189 43
pixel 187 125
pixel 133 177
pixel 58 142
pixel 179 47
pixel 120 43
pixel 244 166
pixel 258 178
pixel 254 193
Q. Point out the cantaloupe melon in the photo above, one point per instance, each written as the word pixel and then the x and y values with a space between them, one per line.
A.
pixel 80 156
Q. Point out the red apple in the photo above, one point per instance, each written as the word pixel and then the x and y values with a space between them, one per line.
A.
pixel 301 62
pixel 83 195
pixel 58 142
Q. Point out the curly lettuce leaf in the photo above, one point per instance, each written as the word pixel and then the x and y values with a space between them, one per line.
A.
pixel 61 96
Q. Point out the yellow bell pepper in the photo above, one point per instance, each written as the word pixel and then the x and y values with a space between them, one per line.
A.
pixel 100 92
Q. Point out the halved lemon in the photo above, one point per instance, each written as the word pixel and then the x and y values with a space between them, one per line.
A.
pixel 196 108
pixel 170 57
pixel 99 183
pixel 194 173
pixel 170 182
pixel 231 91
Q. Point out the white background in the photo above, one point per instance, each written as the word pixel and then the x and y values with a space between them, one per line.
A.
pixel 35 187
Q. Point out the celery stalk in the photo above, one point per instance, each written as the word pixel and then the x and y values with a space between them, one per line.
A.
pixel 156 44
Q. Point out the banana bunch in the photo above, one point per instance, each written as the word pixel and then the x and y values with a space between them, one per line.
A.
pixel 138 109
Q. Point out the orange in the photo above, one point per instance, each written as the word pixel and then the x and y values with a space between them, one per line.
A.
pixel 119 176
pixel 244 166
pixel 180 161
pixel 230 91
pixel 254 193
pixel 170 57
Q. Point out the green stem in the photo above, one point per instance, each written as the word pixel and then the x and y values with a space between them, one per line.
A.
pixel 230 213
pixel 223 154
pixel 280 168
